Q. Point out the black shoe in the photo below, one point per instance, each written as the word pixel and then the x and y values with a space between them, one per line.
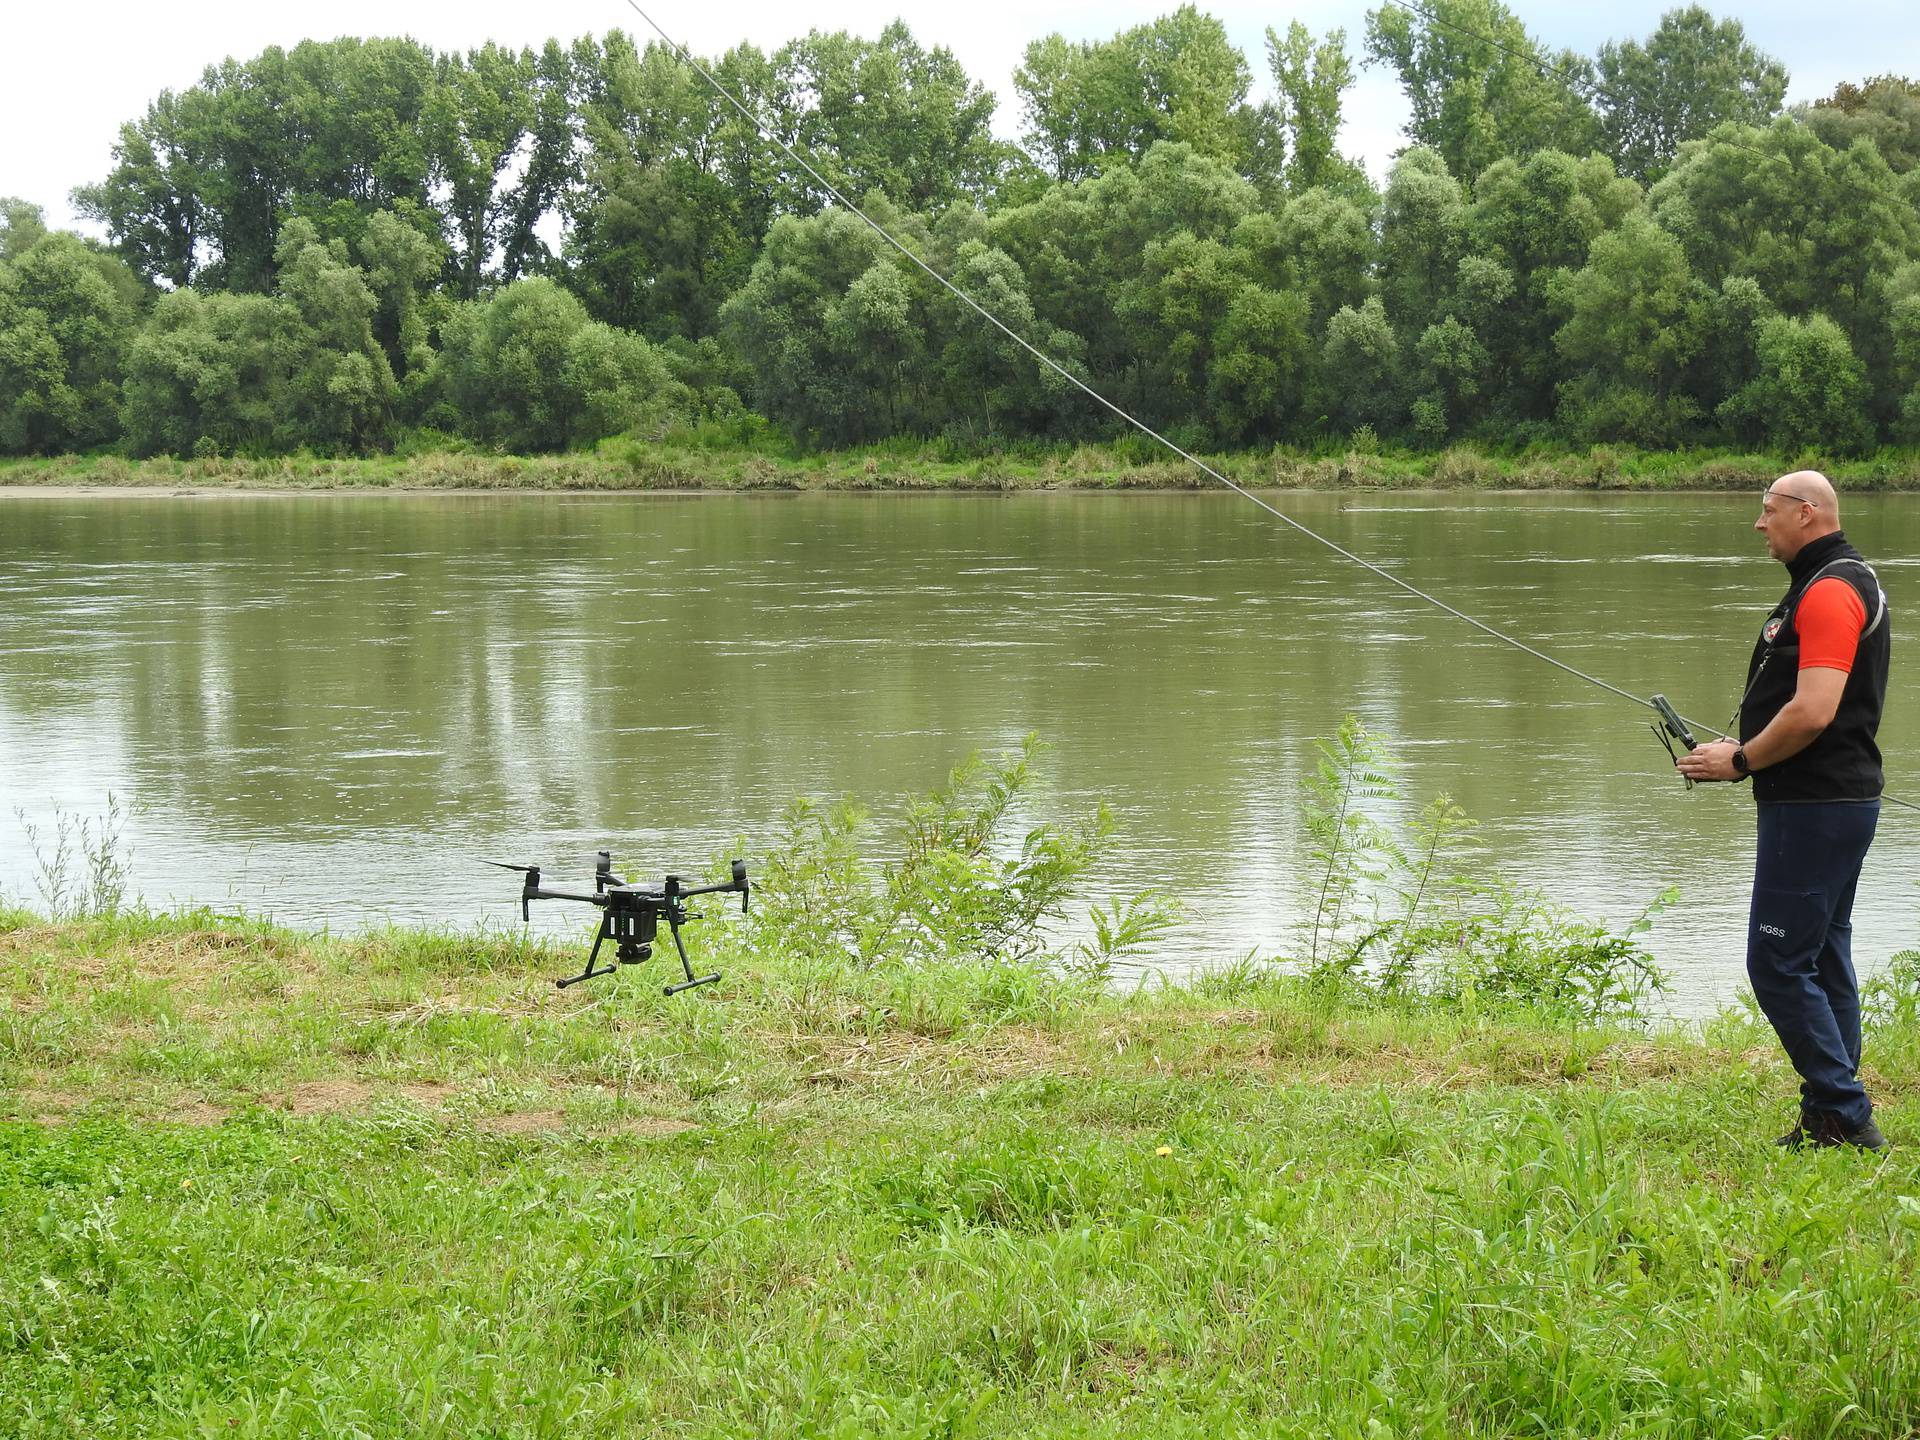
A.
pixel 1824 1130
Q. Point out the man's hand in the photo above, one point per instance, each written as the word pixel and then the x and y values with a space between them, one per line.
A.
pixel 1713 761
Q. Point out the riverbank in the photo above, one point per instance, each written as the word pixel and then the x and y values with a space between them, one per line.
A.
pixel 266 1183
pixel 626 464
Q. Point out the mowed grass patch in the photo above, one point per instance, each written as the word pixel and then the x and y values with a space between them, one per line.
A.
pixel 260 1183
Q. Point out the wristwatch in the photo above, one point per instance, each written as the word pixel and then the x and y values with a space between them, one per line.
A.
pixel 1740 762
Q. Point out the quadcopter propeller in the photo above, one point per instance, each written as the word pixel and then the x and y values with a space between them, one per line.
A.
pixel 528 888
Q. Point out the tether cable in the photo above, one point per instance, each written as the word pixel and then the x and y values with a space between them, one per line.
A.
pixel 766 132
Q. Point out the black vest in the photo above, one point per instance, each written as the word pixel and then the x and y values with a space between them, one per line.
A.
pixel 1843 762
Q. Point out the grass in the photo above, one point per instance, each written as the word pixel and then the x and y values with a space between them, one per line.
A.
pixel 261 1183
pixel 687 464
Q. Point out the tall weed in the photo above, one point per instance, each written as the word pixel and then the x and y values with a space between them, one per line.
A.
pixel 1406 917
pixel 83 868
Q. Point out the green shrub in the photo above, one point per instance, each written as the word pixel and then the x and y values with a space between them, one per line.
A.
pixel 1397 917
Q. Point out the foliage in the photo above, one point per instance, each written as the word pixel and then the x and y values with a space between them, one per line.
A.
pixel 1310 79
pixel 1636 319
pixel 528 371
pixel 1351 848
pixel 205 368
pixel 1893 996
pixel 885 115
pixel 1883 110
pixel 1203 258
pixel 1177 78
pixel 1693 73
pixel 1394 919
pixel 1481 87
pixel 1810 388
pixel 339 389
pixel 22 223
pixel 960 889
pixel 63 326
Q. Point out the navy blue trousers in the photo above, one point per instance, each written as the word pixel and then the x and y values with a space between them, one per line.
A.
pixel 1800 945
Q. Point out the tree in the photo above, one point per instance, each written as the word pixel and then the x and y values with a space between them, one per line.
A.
pixel 551 165
pixel 1884 110
pixel 153 202
pixel 1537 218
pixel 1173 306
pixel 819 297
pixel 1693 73
pixel 63 329
pixel 1177 78
pixel 22 224
pixel 1903 297
pixel 1816 228
pixel 528 370
pixel 1449 371
pixel 478 115
pixel 331 131
pixel 1360 365
pixel 1422 238
pixel 1084 249
pixel 620 384
pixel 1635 320
pixel 677 189
pixel 1811 389
pixel 877 338
pixel 886 115
pixel 989 383
pixel 1728 361
pixel 1327 250
pixel 1481 87
pixel 401 258
pixel 336 389
pixel 1263 357
pixel 204 372
pixel 1310 80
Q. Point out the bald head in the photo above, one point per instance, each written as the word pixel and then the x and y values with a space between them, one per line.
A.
pixel 1797 508
pixel 1814 488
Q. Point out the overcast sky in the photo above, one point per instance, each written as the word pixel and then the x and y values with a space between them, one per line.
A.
pixel 72 73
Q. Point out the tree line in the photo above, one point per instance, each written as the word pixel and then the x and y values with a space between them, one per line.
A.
pixel 353 244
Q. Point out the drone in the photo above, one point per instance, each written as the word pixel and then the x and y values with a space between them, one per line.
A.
pixel 631 915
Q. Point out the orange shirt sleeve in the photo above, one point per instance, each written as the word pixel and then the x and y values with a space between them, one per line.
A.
pixel 1829 619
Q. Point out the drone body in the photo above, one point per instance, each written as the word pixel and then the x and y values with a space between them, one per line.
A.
pixel 631 914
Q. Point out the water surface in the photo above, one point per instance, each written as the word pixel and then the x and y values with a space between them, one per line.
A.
pixel 327 707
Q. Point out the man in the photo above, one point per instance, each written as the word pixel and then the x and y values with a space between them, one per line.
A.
pixel 1815 688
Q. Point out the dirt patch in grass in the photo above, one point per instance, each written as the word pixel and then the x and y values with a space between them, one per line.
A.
pixel 1005 1054
pixel 651 1125
pixel 195 1112
pixel 523 1122
pixel 349 1096
pixel 46 1107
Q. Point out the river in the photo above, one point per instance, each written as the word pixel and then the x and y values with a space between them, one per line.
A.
pixel 329 707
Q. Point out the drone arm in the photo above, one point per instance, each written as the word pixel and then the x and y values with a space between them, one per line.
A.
pixel 737 882
pixel 535 892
